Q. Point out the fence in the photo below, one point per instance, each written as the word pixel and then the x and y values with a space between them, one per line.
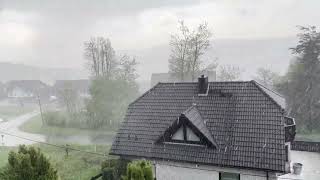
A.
pixel 306 146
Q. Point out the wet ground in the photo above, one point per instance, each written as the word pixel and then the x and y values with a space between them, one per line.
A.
pixel 12 127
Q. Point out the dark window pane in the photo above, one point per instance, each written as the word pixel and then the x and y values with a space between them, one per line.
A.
pixel 229 176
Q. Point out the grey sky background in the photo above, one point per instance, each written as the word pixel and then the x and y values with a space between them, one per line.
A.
pixel 51 33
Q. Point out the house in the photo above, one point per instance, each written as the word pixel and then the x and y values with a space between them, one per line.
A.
pixel 168 77
pixel 2 91
pixel 80 86
pixel 27 89
pixel 209 131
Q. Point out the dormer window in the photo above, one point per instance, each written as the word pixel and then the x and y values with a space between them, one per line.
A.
pixel 189 128
pixel 179 135
pixel 185 134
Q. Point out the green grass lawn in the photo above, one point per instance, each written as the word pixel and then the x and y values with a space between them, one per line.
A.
pixel 8 112
pixel 35 126
pixel 4 155
pixel 314 137
pixel 77 166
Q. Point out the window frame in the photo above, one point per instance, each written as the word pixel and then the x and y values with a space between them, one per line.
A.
pixel 166 138
pixel 185 138
pixel 220 175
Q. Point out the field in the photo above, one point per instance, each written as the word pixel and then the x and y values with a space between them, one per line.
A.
pixel 35 126
pixel 314 137
pixel 10 111
pixel 77 166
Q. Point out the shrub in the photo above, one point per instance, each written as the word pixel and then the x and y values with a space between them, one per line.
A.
pixel 108 174
pixel 28 164
pixel 117 166
pixel 55 118
pixel 139 170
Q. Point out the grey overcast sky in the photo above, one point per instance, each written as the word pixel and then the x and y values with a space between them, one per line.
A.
pixel 52 32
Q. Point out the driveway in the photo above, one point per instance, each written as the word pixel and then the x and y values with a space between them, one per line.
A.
pixel 12 127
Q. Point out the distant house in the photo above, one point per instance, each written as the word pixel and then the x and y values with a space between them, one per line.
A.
pixel 209 131
pixel 27 89
pixel 167 77
pixel 80 86
pixel 2 91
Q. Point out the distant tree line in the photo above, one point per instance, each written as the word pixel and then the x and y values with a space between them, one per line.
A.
pixel 300 86
pixel 301 83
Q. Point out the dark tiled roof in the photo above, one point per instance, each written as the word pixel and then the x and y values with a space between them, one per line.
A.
pixel 274 95
pixel 195 118
pixel 248 126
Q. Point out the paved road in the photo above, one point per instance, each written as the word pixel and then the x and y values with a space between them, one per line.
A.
pixel 12 127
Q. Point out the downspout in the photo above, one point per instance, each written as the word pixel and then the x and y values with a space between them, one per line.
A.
pixel 155 170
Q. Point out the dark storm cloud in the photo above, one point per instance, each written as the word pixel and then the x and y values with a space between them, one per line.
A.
pixel 59 27
pixel 98 7
pixel 52 32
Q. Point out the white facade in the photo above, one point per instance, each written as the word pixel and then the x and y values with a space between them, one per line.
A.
pixel 167 170
pixel 310 169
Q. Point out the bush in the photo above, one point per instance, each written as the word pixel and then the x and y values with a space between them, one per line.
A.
pixel 28 164
pixel 78 120
pixel 62 119
pixel 55 118
pixel 118 167
pixel 108 174
pixel 139 170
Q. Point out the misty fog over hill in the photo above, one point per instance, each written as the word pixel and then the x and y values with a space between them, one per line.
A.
pixel 249 54
pixel 10 71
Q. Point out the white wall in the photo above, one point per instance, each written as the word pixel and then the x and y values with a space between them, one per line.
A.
pixel 165 172
pixel 186 171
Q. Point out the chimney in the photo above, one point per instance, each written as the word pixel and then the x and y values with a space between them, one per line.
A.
pixel 202 85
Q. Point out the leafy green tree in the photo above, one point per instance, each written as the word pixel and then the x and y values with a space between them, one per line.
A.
pixel 301 84
pixel 114 83
pixel 28 164
pixel 109 101
pixel 139 170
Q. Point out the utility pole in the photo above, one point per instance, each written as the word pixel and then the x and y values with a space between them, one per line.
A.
pixel 40 106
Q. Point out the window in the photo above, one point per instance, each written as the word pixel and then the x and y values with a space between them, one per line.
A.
pixel 184 133
pixel 178 135
pixel 191 136
pixel 229 176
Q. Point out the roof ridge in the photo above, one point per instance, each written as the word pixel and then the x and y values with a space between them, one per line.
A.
pixel 179 82
pixel 189 109
pixel 275 92
pixel 145 93
pixel 265 93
